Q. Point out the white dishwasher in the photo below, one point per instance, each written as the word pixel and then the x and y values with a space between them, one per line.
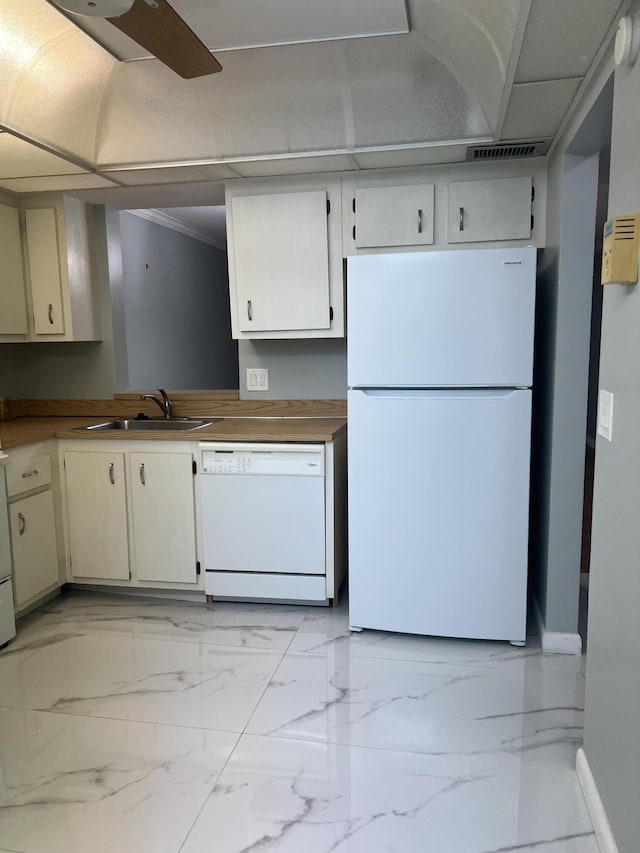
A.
pixel 263 521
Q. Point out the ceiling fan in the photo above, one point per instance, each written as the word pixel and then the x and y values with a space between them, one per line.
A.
pixel 154 25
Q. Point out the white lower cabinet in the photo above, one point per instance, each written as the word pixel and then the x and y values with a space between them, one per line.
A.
pixel 31 513
pixel 130 514
pixel 97 514
pixel 33 546
pixel 163 517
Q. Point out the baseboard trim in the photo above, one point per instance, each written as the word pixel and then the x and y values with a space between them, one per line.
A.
pixel 555 642
pixel 598 815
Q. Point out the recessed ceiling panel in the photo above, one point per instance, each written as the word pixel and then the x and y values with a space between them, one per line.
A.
pixel 294 166
pixel 411 157
pixel 537 109
pixel 170 174
pixel 20 159
pixel 401 94
pixel 235 24
pixel 562 38
pixel 55 183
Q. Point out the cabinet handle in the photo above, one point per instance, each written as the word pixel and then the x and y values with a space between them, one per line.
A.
pixel 249 310
pixel 420 221
pixel 143 479
pixel 461 224
pixel 27 474
pixel 50 313
pixel 23 524
pixel 112 476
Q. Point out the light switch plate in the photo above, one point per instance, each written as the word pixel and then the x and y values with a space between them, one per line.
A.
pixel 605 414
pixel 257 379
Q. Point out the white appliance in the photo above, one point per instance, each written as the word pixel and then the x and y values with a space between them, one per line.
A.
pixel 263 521
pixel 440 355
pixel 7 620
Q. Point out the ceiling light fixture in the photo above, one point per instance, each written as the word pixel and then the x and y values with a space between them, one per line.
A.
pixel 96 8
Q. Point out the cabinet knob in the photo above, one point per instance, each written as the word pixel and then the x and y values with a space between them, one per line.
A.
pixel 23 523
pixel 50 313
pixel 249 310
pixel 461 223
pixel 27 474
pixel 420 221
pixel 143 479
pixel 112 476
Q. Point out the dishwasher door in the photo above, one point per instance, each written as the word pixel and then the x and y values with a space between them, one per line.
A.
pixel 263 509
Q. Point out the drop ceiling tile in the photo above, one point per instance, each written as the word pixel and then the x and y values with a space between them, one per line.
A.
pixel 411 157
pixel 21 159
pixel 236 24
pixel 562 38
pixel 294 166
pixel 537 109
pixel 57 183
pixel 169 174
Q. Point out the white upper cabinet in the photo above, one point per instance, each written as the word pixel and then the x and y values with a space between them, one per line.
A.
pixel 285 260
pixel 489 210
pixel 13 306
pixel 60 275
pixel 43 250
pixel 393 216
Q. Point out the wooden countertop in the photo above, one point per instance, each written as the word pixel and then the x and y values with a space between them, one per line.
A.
pixel 21 431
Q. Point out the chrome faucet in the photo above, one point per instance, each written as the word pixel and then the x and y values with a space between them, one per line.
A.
pixel 165 403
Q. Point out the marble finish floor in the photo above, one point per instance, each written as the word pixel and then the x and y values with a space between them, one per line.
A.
pixel 146 726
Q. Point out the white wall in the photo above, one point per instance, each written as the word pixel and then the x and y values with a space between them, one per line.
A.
pixel 612 715
pixel 561 380
pixel 171 310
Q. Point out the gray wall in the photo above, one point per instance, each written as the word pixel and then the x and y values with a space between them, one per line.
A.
pixel 561 380
pixel 298 370
pixel 612 717
pixel 171 310
pixel 66 370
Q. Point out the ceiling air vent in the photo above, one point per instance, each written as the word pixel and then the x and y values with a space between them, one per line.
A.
pixel 507 150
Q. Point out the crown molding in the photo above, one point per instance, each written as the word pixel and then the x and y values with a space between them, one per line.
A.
pixel 166 221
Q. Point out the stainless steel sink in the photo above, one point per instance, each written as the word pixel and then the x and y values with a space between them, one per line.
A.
pixel 151 425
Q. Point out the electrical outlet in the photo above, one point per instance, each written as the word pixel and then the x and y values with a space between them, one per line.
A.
pixel 605 414
pixel 257 379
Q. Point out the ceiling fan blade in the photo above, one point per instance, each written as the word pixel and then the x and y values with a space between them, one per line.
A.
pixel 161 31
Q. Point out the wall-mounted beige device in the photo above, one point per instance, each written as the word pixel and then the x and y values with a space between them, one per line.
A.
pixel 620 249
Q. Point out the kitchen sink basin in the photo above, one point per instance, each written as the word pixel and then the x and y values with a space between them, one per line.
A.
pixel 151 425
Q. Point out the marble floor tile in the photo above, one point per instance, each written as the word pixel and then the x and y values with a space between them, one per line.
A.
pixel 328 632
pixel 288 796
pixel 534 716
pixel 75 784
pixel 241 625
pixel 133 678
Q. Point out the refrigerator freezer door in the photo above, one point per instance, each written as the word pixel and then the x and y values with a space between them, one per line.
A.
pixel 438 512
pixel 441 319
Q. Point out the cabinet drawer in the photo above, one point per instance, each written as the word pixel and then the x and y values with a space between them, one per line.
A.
pixel 29 474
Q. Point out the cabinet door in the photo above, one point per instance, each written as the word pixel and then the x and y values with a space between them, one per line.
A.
pixel 281 254
pixel 13 308
pixel 489 210
pixel 394 216
pixel 163 517
pixel 97 509
pixel 33 546
pixel 44 270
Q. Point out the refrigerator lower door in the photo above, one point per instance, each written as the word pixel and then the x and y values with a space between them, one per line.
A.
pixel 7 621
pixel 438 512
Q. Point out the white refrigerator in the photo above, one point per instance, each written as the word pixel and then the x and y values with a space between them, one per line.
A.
pixel 440 357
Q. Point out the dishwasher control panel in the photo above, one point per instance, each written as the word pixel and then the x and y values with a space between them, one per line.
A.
pixel 264 459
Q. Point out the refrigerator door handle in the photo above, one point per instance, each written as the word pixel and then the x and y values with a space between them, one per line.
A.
pixel 440 393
